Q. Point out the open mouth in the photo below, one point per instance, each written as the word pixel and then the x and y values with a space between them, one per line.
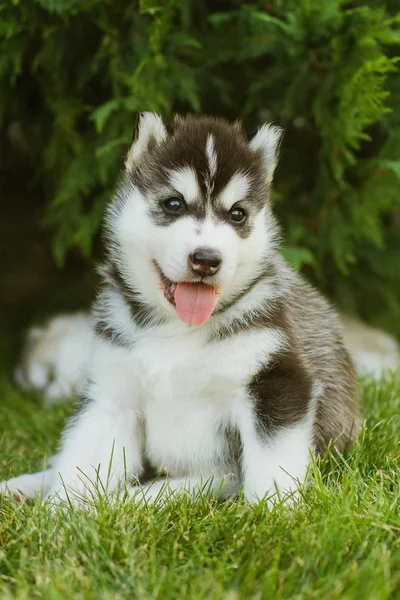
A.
pixel 194 301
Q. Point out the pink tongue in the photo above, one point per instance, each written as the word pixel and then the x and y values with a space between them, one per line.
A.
pixel 194 302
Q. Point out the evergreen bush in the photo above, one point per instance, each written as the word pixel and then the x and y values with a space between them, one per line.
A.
pixel 75 73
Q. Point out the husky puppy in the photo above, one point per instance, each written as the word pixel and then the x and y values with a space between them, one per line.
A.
pixel 212 359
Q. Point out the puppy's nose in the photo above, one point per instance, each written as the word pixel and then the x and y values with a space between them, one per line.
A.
pixel 205 261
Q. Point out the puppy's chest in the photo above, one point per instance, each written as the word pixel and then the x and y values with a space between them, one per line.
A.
pixel 186 434
pixel 186 405
pixel 190 391
pixel 190 364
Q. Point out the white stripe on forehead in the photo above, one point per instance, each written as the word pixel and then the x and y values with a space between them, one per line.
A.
pixel 184 181
pixel 211 156
pixel 236 190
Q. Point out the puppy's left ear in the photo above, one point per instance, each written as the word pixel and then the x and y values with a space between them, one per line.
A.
pixel 267 140
pixel 150 131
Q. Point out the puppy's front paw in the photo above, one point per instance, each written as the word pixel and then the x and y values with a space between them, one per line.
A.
pixel 75 495
pixel 28 485
pixel 79 493
pixel 6 490
pixel 158 492
pixel 287 495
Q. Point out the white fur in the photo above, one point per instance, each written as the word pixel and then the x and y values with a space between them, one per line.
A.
pixel 211 156
pixel 150 127
pixel 55 357
pixel 166 489
pixel 267 140
pixel 158 382
pixel 374 352
pixel 28 485
pixel 235 191
pixel 277 465
pixel 140 242
pixel 278 462
pixel 112 310
pixel 100 449
pixel 185 182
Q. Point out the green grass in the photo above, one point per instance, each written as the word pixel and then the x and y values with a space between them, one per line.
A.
pixel 343 541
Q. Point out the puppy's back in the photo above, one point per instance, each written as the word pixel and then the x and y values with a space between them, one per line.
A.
pixel 319 335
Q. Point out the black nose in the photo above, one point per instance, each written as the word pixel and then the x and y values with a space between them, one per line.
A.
pixel 205 261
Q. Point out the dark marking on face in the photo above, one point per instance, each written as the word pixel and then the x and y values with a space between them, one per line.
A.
pixel 186 146
pixel 243 229
pixel 200 211
pixel 162 218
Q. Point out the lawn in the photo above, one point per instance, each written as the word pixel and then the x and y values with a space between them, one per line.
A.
pixel 343 541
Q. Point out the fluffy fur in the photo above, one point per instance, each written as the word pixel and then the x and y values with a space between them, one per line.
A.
pixel 54 355
pixel 236 402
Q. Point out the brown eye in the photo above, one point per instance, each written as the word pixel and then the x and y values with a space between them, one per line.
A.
pixel 174 205
pixel 238 215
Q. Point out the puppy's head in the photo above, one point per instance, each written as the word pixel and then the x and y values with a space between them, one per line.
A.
pixel 191 226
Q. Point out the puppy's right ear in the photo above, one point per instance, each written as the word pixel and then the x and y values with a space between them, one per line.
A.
pixel 267 141
pixel 150 130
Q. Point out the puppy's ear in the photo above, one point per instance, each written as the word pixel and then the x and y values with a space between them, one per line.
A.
pixel 267 141
pixel 150 131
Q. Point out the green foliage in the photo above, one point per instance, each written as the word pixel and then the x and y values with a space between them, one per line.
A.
pixel 73 76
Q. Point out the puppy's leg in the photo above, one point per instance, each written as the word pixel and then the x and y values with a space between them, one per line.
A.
pixel 102 447
pixel 275 421
pixel 100 450
pixel 27 485
pixel 275 462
